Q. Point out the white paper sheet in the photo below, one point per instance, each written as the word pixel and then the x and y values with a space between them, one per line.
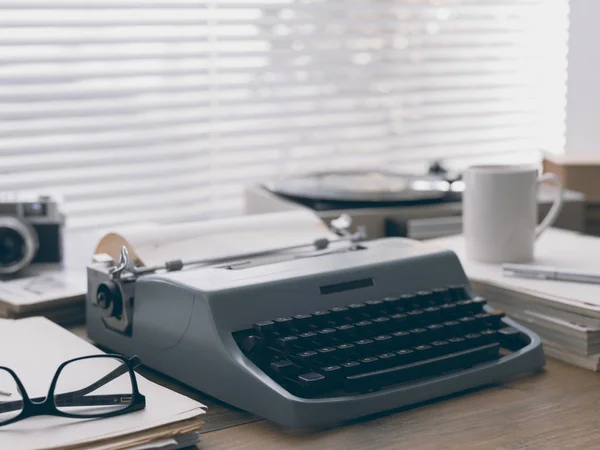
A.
pixel 555 248
pixel 34 348
pixel 153 245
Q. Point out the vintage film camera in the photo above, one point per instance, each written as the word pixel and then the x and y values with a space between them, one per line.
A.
pixel 30 231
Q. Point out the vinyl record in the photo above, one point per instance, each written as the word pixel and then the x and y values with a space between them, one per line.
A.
pixel 363 186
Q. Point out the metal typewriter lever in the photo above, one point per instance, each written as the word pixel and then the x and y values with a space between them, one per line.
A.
pixel 122 266
pixel 340 226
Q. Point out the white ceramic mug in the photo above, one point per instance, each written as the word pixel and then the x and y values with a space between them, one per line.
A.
pixel 500 212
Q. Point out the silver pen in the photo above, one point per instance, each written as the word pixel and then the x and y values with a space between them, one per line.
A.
pixel 549 273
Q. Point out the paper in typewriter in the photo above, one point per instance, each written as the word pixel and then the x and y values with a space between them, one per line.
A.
pixel 154 244
pixel 34 348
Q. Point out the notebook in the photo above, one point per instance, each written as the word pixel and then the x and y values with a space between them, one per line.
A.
pixel 35 347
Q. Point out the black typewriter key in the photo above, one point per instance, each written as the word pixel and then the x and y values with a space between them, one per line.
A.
pixel 307 358
pixel 453 328
pixel 449 310
pixel 284 367
pixel 312 380
pixel 458 343
pixel 328 335
pixel 381 324
pixel 496 319
pixel 364 328
pixel 401 339
pixel 423 352
pixel 482 319
pixel 369 363
pixel 435 331
pixel 441 296
pixel 489 335
pixel 425 299
pixel 357 310
pixel 287 343
pixel 283 326
pixel 331 372
pixel 308 340
pixel 418 336
pixel 474 339
pixel 375 307
pixel 458 293
pixel 327 350
pixel 468 323
pixel 415 317
pixel 464 307
pixel 432 314
pixel 510 338
pixel 350 367
pixel 383 342
pixel 345 351
pixel 399 321
pixel 387 359
pixel 405 356
pixel 348 331
pixel 283 321
pixel 340 315
pixel 303 322
pixel 409 302
pixel 478 304
pixel 322 318
pixel 251 344
pixel 266 326
pixel 441 347
pixel 391 304
pixel 327 355
pixel 365 346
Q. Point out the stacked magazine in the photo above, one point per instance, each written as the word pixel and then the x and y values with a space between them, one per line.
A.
pixel 45 290
pixel 566 315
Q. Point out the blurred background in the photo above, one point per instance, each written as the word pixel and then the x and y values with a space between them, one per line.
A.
pixel 139 110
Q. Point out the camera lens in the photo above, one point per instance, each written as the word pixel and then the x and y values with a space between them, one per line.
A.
pixel 18 245
pixel 12 247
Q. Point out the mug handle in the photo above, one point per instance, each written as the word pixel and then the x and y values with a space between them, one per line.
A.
pixel 556 205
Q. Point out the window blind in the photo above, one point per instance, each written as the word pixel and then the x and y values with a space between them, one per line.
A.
pixel 139 110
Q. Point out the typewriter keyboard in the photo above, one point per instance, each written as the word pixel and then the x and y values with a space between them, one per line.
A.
pixel 365 347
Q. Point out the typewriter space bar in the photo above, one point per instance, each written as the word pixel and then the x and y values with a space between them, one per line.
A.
pixel 374 380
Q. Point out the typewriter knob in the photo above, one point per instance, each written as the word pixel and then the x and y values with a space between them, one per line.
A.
pixel 108 297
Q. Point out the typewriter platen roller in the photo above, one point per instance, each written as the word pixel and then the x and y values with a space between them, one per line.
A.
pixel 312 337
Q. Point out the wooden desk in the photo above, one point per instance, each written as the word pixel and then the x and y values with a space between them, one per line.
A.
pixel 558 408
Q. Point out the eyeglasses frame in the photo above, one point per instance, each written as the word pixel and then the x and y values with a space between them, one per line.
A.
pixel 48 406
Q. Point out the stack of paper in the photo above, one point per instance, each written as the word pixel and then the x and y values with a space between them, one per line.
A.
pixel 35 347
pixel 565 315
pixel 45 290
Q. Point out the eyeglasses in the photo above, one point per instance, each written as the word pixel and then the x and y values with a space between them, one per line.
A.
pixel 110 378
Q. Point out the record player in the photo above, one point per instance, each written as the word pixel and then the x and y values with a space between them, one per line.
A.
pixel 388 203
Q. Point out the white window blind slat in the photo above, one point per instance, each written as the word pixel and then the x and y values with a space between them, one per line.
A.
pixel 163 110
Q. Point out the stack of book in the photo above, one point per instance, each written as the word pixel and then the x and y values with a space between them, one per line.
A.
pixel 565 315
pixel 581 174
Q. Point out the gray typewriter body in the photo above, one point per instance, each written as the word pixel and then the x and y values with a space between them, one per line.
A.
pixel 181 324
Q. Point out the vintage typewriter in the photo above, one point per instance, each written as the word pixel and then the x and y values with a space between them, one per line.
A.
pixel 311 336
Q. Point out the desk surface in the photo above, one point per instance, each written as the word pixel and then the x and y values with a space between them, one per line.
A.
pixel 558 408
